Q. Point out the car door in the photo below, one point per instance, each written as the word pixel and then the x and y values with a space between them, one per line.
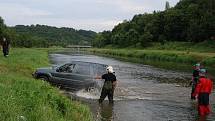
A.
pixel 81 73
pixel 78 78
pixel 62 75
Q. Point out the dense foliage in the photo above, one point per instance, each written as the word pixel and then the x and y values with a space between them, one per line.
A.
pixel 43 35
pixel 188 21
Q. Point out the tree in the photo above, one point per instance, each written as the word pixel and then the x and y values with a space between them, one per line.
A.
pixel 146 39
pixel 167 6
pixel 132 37
pixel 56 36
pixel 189 20
pixel 98 41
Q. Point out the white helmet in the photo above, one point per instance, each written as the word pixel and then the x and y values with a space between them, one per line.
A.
pixel 110 69
pixel 4 39
pixel 202 72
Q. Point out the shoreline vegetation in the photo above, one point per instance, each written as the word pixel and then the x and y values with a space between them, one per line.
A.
pixel 24 98
pixel 167 59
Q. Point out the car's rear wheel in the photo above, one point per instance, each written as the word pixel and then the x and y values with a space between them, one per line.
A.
pixel 44 78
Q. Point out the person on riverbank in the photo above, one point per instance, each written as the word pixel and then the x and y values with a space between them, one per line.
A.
pixel 109 85
pixel 195 78
pixel 203 90
pixel 5 46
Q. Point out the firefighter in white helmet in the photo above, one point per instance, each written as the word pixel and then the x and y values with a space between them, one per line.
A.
pixel 109 85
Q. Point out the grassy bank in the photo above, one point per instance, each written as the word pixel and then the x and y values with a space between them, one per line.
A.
pixel 206 46
pixel 26 99
pixel 162 58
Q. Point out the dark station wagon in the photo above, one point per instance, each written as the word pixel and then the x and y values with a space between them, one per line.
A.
pixel 73 76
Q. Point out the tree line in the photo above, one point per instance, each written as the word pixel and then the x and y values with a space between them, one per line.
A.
pixel 45 36
pixel 188 21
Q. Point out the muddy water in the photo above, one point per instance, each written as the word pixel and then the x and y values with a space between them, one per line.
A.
pixel 144 93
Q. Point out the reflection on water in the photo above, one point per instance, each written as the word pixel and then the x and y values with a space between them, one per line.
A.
pixel 140 95
pixel 105 112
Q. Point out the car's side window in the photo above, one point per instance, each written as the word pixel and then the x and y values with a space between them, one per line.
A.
pixel 98 69
pixel 83 69
pixel 67 68
pixel 70 68
pixel 60 69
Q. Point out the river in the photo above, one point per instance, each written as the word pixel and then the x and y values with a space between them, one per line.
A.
pixel 144 93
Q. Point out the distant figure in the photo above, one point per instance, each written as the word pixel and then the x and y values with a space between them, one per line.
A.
pixel 203 90
pixel 195 79
pixel 109 85
pixel 5 46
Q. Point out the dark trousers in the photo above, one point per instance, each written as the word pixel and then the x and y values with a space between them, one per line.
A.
pixel 203 99
pixel 192 91
pixel 5 51
pixel 106 92
pixel 193 88
pixel 203 104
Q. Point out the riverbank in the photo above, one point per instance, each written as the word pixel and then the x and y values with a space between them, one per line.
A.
pixel 169 59
pixel 24 98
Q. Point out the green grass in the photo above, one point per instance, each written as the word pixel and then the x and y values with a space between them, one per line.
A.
pixel 161 55
pixel 26 99
pixel 206 46
pixel 169 59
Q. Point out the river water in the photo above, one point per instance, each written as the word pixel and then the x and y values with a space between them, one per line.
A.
pixel 144 93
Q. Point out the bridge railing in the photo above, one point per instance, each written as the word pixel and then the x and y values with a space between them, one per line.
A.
pixel 78 46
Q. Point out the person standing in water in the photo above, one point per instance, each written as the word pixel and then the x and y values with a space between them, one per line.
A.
pixel 195 79
pixel 109 85
pixel 202 91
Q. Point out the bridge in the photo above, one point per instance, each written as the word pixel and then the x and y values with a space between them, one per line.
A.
pixel 78 46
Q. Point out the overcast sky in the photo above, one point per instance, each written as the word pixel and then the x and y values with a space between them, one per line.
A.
pixel 96 15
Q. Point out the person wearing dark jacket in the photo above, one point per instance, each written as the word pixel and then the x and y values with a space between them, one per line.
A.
pixel 5 46
pixel 195 78
pixel 202 91
pixel 109 85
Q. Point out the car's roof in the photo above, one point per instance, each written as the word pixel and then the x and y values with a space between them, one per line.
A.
pixel 82 62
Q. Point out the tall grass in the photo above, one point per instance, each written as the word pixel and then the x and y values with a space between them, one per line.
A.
pixel 26 99
pixel 170 58
pixel 159 55
pixel 206 46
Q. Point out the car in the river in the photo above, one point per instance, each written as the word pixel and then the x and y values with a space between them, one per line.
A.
pixel 73 76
